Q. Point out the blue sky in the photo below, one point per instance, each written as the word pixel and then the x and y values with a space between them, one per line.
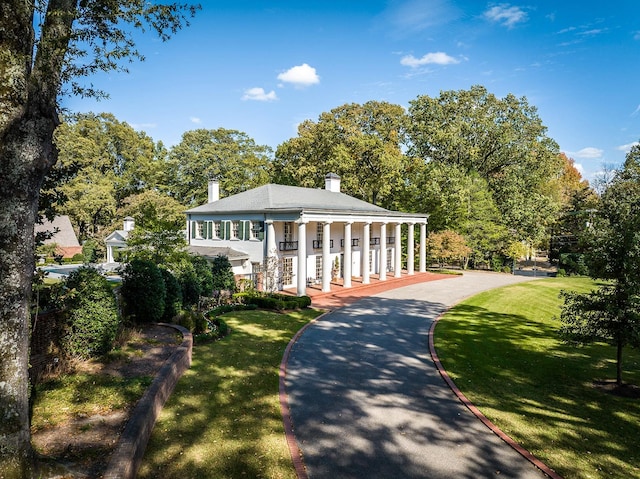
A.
pixel 263 67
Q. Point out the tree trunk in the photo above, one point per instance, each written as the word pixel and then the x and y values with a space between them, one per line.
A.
pixel 619 363
pixel 22 149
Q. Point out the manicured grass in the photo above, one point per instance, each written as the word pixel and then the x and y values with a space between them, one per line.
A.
pixel 83 394
pixel 502 350
pixel 223 419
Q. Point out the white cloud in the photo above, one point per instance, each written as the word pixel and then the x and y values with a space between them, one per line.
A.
pixel 588 153
pixel 143 126
pixel 579 167
pixel 258 94
pixel 439 58
pixel 300 76
pixel 506 15
pixel 195 119
pixel 627 148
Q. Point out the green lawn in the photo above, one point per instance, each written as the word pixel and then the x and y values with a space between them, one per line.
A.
pixel 223 419
pixel 502 350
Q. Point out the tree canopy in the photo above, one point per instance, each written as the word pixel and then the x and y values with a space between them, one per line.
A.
pixel 611 313
pixel 361 143
pixel 502 140
pixel 230 156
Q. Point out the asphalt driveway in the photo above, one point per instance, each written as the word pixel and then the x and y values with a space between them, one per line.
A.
pixel 366 400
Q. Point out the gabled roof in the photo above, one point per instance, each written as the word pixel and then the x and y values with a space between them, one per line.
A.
pixel 274 197
pixel 64 237
pixel 118 236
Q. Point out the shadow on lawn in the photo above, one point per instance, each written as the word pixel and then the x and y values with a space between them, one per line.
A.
pixel 520 366
pixel 223 419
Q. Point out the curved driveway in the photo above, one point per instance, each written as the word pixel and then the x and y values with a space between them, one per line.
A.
pixel 367 401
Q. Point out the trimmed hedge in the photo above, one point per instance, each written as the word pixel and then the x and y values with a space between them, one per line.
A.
pixel 274 301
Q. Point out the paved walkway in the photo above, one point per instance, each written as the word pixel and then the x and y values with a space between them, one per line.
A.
pixel 366 400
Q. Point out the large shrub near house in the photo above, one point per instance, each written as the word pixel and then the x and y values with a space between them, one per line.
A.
pixel 222 273
pixel 173 296
pixel 92 315
pixel 143 292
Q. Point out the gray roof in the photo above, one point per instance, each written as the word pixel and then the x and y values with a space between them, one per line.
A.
pixel 65 236
pixel 213 251
pixel 281 197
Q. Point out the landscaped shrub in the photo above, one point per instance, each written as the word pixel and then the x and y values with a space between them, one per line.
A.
pixel 278 302
pixel 204 274
pixel 77 258
pixel 222 274
pixel 190 286
pixel 573 263
pixel 143 291
pixel 173 296
pixel 90 251
pixel 92 314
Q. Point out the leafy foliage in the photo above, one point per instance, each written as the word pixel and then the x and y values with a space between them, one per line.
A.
pixel 612 313
pixel 447 246
pixel 173 295
pixel 361 143
pixel 222 274
pixel 501 140
pixel 230 155
pixel 143 291
pixel 93 320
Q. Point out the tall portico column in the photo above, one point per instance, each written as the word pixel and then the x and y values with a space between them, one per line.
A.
pixel 271 239
pixel 397 270
pixel 382 270
pixel 302 257
pixel 366 278
pixel 346 269
pixel 326 261
pixel 410 251
pixel 271 271
pixel 423 247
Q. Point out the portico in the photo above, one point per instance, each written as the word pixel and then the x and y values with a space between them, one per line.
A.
pixel 299 237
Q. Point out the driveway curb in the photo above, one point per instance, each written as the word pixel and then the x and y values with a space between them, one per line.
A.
pixel 464 400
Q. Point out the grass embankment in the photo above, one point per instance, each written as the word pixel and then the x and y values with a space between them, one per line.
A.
pixel 223 419
pixel 502 350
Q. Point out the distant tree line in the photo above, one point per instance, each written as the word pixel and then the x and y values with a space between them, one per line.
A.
pixel 482 166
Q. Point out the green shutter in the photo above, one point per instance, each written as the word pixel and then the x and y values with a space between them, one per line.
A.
pixel 227 230
pixel 193 229
pixel 247 230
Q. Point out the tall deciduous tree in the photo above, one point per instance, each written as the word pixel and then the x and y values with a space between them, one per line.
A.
pixel 612 313
pixel 503 140
pixel 229 155
pixel 108 161
pixel 361 143
pixel 40 56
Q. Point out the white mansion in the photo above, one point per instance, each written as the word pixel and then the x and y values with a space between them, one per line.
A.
pixel 290 237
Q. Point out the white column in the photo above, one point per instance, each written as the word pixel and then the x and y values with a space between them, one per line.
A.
pixel 423 247
pixel 410 247
pixel 365 253
pixel 271 261
pixel 397 269
pixel 326 260
pixel 109 254
pixel 271 239
pixel 346 280
pixel 302 257
pixel 382 271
